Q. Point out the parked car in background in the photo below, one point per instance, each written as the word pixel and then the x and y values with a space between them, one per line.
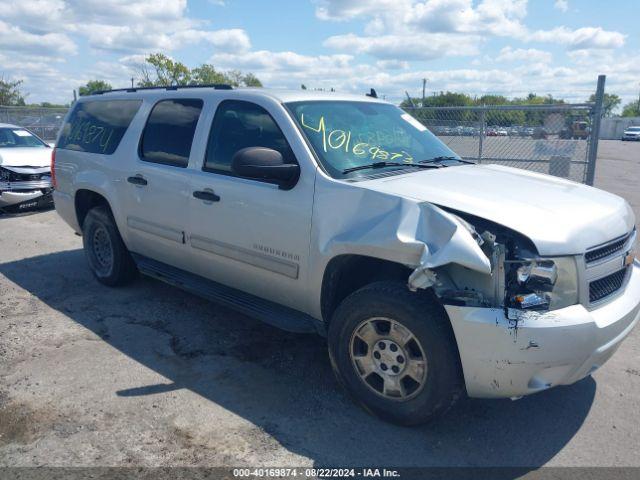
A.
pixel 539 133
pixel 631 134
pixel 578 130
pixel 25 172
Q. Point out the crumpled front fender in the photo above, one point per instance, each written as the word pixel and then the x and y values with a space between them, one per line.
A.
pixel 349 219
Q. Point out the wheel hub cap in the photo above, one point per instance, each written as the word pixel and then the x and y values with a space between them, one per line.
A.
pixel 388 358
pixel 102 248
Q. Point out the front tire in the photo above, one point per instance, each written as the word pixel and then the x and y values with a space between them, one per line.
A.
pixel 395 353
pixel 108 257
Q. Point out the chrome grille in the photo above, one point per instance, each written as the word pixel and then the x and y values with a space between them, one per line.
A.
pixel 606 250
pixel 603 287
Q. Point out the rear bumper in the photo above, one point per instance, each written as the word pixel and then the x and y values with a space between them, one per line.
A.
pixel 508 358
pixel 65 206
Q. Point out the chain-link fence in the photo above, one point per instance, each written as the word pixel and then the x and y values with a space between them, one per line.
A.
pixel 44 122
pixel 558 139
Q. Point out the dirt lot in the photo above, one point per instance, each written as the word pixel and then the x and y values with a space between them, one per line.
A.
pixel 149 375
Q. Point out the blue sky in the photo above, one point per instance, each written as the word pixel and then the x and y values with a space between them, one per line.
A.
pixel 509 47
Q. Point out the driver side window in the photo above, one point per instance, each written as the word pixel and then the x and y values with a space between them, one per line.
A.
pixel 239 124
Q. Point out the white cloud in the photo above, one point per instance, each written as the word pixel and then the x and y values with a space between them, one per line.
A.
pixel 394 24
pixel 15 39
pixel 562 5
pixel 343 10
pixel 581 38
pixel 392 64
pixel 496 17
pixel 406 47
pixel 508 54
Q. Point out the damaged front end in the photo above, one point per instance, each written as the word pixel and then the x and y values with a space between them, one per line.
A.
pixel 512 276
pixel 25 188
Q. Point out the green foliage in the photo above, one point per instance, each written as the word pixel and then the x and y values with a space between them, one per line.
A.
pixel 250 80
pixel 610 102
pixel 10 93
pixel 160 70
pixel 93 86
pixel 631 109
pixel 471 118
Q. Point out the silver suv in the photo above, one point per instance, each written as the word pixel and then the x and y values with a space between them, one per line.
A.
pixel 343 215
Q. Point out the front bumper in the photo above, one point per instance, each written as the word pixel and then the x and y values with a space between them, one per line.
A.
pixel 511 358
pixel 22 192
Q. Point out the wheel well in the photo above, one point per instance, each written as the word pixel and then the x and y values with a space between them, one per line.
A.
pixel 85 200
pixel 347 273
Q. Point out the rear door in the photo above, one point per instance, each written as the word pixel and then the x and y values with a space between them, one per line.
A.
pixel 245 233
pixel 157 187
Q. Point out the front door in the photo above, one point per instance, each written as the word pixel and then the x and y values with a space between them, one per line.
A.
pixel 244 233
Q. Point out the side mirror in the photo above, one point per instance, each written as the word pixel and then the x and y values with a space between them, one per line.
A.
pixel 263 163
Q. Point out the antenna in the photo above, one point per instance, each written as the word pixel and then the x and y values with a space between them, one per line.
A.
pixel 372 94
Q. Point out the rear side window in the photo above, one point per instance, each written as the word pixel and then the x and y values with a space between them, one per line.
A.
pixel 239 124
pixel 168 135
pixel 98 126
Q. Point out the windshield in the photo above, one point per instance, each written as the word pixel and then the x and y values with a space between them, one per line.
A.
pixel 633 129
pixel 348 134
pixel 18 137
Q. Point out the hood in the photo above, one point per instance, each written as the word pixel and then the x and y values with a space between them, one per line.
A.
pixel 25 157
pixel 559 216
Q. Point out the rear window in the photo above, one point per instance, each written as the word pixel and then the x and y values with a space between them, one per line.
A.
pixel 98 126
pixel 169 132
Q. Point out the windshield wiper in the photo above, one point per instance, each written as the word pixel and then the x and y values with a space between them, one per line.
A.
pixel 441 158
pixel 387 164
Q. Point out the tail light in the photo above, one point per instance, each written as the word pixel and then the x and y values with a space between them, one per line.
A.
pixel 54 184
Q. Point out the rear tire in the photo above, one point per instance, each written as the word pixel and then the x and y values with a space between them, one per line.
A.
pixel 395 353
pixel 108 257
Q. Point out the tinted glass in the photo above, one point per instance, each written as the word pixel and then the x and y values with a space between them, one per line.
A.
pixel 98 126
pixel 19 137
pixel 168 135
pixel 349 134
pixel 238 125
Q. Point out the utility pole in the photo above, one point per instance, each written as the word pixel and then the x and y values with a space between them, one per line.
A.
pixel 424 86
pixel 131 82
pixel 639 104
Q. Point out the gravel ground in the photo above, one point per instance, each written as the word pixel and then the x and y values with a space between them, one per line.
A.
pixel 149 375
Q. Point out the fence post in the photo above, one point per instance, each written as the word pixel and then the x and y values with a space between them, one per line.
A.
pixel 595 130
pixel 481 134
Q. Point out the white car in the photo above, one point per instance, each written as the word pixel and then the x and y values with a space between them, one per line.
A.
pixel 631 134
pixel 431 276
pixel 25 169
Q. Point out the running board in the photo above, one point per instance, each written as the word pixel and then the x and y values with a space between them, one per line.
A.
pixel 272 313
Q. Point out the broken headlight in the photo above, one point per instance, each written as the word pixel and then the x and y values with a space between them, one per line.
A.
pixel 542 283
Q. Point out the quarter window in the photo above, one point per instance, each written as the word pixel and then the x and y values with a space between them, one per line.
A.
pixel 97 126
pixel 168 135
pixel 237 125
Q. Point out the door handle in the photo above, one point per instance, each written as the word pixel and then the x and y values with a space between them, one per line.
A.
pixel 206 195
pixel 137 180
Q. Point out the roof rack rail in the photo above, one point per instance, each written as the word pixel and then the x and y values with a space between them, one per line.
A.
pixel 217 86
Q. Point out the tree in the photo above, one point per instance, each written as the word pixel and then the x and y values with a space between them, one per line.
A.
pixel 162 71
pixel 206 74
pixel 93 86
pixel 610 102
pixel 632 109
pixel 10 93
pixel 250 80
